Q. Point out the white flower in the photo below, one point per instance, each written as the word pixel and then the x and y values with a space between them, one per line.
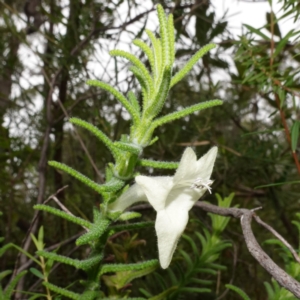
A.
pixel 172 198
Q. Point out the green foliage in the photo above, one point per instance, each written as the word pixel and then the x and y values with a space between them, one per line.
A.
pixel 219 223
pixel 7 294
pixel 95 131
pixel 238 291
pixel 63 214
pixel 187 68
pixel 119 96
pixel 158 164
pixel 112 186
pixel 151 264
pixel 185 112
pixel 295 135
pixel 274 290
pixel 78 264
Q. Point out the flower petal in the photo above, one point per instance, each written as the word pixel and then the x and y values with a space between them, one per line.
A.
pixel 134 194
pixel 205 164
pixel 156 189
pixel 169 228
pixel 186 165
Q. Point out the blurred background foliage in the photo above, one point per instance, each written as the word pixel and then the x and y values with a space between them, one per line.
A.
pixel 49 49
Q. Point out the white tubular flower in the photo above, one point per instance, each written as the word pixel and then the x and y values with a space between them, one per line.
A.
pixel 172 198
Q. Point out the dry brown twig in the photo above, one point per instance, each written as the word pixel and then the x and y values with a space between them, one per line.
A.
pixel 246 215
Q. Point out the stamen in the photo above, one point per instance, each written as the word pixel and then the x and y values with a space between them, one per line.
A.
pixel 201 184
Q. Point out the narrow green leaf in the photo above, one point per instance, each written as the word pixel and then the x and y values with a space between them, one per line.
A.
pixel 129 215
pixel 257 31
pixel 36 242
pixel 10 288
pixel 276 184
pixel 37 273
pixel 185 112
pixel 95 186
pixel 78 264
pixel 171 38
pixel 11 245
pixel 238 291
pixel 269 289
pixel 111 186
pixel 194 59
pixel 131 148
pixel 41 234
pixel 119 96
pixel 63 214
pixel 145 293
pixel 164 36
pixel 161 95
pixel 187 259
pixel 147 50
pixel 62 291
pixel 95 131
pixel 158 164
pixel 95 232
pixel 164 295
pixel 157 55
pixel 155 139
pixel 192 244
pixel 133 100
pixel 142 80
pixel 206 270
pixel 134 60
pixel 283 42
pixel 5 273
pixel 134 226
pixel 195 290
pixel 123 278
pixel 128 267
pixel 295 135
pixel 202 281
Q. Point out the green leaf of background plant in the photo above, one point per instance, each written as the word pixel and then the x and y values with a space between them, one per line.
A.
pixel 276 184
pixel 257 31
pixel 238 291
pixel 120 279
pixel 295 135
pixel 37 273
